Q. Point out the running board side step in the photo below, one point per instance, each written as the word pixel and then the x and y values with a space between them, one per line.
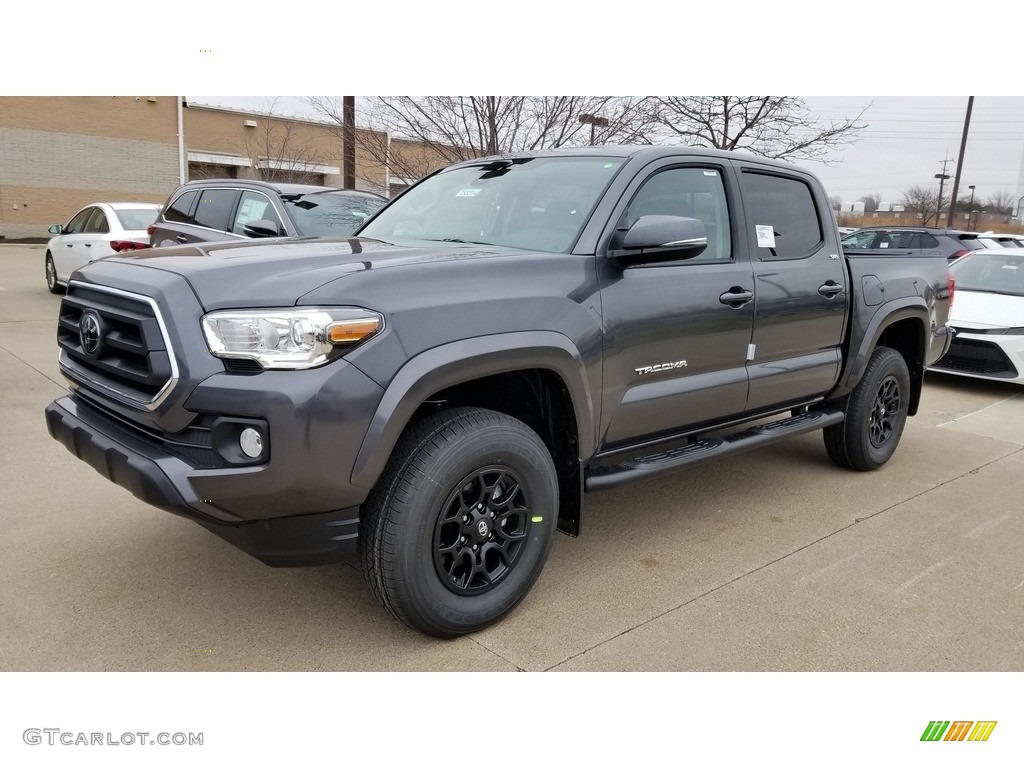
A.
pixel 602 477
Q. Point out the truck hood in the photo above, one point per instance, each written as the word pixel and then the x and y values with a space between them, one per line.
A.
pixel 280 272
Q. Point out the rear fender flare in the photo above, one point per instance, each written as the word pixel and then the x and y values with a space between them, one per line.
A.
pixel 910 307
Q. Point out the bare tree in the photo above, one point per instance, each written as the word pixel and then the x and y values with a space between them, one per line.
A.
pixel 778 127
pixel 413 135
pixel 871 202
pixel 1001 202
pixel 922 200
pixel 280 151
pixel 836 202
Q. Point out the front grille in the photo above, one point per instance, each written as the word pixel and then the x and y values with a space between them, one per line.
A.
pixel 977 357
pixel 130 360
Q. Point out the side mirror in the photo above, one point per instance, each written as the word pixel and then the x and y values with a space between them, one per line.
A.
pixel 261 228
pixel 661 238
pixel 56 229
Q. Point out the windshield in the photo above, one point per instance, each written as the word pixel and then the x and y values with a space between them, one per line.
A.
pixel 331 214
pixel 537 203
pixel 991 273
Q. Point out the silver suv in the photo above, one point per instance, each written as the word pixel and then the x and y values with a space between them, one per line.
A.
pixel 230 209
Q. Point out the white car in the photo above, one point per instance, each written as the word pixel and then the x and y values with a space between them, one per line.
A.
pixel 98 230
pixel 1006 240
pixel 987 316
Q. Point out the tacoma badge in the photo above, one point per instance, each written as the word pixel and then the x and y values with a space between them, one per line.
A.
pixel 660 367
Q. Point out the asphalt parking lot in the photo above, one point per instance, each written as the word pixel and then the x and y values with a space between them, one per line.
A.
pixel 771 560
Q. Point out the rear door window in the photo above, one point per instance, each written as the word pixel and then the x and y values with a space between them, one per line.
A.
pixel 97 222
pixel 77 225
pixel 784 220
pixel 181 208
pixel 215 208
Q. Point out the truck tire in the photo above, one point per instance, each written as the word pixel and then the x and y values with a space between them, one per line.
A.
pixel 876 412
pixel 459 526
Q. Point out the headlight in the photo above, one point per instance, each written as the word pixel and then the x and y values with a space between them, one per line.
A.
pixel 288 338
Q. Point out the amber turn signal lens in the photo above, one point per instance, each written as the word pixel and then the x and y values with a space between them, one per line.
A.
pixel 351 331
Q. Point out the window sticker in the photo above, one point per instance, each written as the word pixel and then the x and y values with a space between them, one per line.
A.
pixel 884 245
pixel 468 192
pixel 765 235
pixel 710 173
pixel 251 210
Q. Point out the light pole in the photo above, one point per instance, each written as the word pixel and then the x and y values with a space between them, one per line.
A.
pixel 970 207
pixel 942 177
pixel 1018 207
pixel 593 121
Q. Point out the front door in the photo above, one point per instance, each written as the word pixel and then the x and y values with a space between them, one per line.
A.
pixel 677 333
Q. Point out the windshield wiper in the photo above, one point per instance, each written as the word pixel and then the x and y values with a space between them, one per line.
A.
pixel 455 240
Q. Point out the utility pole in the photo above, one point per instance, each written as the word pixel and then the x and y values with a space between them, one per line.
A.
pixel 348 119
pixel 959 163
pixel 943 178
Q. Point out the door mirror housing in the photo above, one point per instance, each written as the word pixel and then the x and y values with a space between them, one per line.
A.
pixel 660 238
pixel 261 228
pixel 56 229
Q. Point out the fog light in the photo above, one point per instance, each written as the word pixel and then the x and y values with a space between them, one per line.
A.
pixel 251 442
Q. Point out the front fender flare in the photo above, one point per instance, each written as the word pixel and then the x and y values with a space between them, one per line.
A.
pixel 461 361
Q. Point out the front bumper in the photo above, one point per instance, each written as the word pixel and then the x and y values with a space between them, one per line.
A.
pixel 980 354
pixel 163 481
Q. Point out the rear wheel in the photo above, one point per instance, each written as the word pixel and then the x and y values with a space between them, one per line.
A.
pixel 459 527
pixel 51 276
pixel 876 412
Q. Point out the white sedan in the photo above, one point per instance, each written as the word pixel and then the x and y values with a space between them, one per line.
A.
pixel 98 230
pixel 987 316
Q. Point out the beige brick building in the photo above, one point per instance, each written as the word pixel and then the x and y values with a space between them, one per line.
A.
pixel 59 153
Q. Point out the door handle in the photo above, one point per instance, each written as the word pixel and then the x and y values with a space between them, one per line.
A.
pixel 69 245
pixel 830 289
pixel 181 238
pixel 736 297
pixel 88 245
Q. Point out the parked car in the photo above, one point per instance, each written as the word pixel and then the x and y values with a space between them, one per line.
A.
pixel 951 243
pixel 236 209
pixel 1005 241
pixel 987 316
pixel 95 231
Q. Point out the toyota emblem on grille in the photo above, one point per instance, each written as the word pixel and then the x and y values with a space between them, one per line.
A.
pixel 89 332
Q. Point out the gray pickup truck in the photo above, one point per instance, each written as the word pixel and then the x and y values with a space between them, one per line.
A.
pixel 438 392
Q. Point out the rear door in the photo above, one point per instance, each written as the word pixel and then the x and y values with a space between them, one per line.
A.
pixel 70 253
pixel 800 308
pixel 96 242
pixel 676 333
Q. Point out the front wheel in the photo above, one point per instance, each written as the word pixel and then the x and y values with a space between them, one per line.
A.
pixel 876 412
pixel 51 276
pixel 457 530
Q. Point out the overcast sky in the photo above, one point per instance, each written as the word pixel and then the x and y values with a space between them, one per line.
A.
pixel 906 140
pixel 535 46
